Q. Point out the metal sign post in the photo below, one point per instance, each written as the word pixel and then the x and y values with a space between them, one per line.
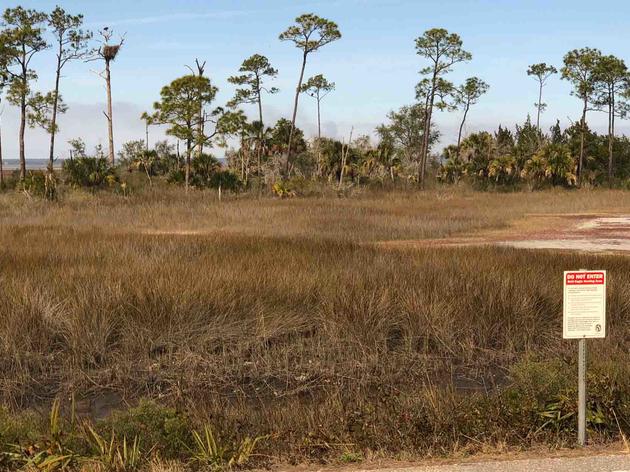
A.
pixel 582 392
pixel 584 316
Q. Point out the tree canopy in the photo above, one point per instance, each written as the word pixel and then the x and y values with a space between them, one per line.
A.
pixel 256 68
pixel 310 32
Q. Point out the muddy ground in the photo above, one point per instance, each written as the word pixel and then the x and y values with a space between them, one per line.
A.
pixel 601 233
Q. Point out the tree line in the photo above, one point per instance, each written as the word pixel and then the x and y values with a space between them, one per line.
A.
pixel 405 143
pixel 571 157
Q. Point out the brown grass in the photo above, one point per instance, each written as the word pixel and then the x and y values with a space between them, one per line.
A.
pixel 272 317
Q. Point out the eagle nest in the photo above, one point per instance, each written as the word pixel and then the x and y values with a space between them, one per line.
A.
pixel 110 51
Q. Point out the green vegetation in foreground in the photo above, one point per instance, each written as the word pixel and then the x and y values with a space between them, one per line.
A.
pixel 269 318
pixel 145 437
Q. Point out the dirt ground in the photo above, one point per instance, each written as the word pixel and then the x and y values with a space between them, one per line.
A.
pixel 600 233
pixel 491 461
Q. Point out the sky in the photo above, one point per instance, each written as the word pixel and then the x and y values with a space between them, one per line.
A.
pixel 374 65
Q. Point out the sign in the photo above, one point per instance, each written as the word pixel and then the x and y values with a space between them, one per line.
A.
pixel 584 313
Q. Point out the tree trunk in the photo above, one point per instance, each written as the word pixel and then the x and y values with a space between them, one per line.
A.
pixel 319 137
pixel 582 132
pixel 146 171
pixel 260 134
pixel 22 130
pixel 295 108
pixel 200 130
pixel 24 78
pixel 110 129
pixel 319 119
pixel 344 158
pixel 343 166
pixel 611 135
pixel 199 136
pixel 539 105
pixel 247 166
pixel 53 119
pixel 461 127
pixel 427 127
pixel 425 140
pixel 202 115
pixel 242 161
pixel 179 158
pixel 187 171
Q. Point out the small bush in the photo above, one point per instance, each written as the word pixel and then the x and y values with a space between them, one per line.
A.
pixel 91 172
pixel 176 176
pixel 225 180
pixel 283 190
pixel 206 172
pixel 39 184
pixel 113 453
pixel 541 396
pixel 350 457
pixel 203 169
pixel 161 429
pixel 14 428
pixel 48 449
pixel 208 450
pixel 543 399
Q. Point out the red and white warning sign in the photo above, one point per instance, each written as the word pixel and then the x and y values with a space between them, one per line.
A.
pixel 584 312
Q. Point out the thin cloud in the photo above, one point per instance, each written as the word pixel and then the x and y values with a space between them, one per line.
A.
pixel 146 20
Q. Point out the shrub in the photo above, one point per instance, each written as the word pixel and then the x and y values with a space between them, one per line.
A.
pixel 225 180
pixel 451 171
pixel 283 190
pixel 552 164
pixel 160 428
pixel 206 172
pixel 39 184
pixel 202 170
pixel 130 151
pixel 502 170
pixel 91 172
pixel 14 428
pixel 210 451
pixel 153 163
pixel 176 176
pixel 350 457
pixel 113 453
pixel 542 399
pixel 145 161
pixel 540 395
pixel 48 449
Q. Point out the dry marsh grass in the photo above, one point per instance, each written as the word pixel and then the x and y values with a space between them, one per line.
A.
pixel 269 317
pixel 366 216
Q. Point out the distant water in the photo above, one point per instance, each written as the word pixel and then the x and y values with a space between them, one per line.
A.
pixel 42 164
pixel 31 164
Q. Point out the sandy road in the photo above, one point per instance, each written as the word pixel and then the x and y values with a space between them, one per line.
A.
pixel 563 232
pixel 606 463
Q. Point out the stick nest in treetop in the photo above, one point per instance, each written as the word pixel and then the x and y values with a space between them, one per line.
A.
pixel 110 52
